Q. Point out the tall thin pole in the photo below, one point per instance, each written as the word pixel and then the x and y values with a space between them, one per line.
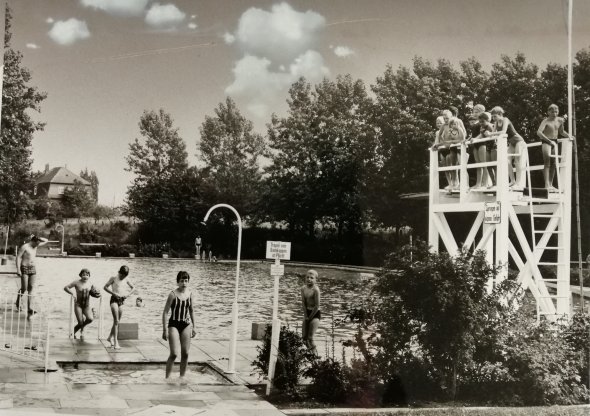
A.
pixel 572 129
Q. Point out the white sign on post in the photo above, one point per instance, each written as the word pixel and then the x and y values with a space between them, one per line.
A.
pixel 492 213
pixel 278 250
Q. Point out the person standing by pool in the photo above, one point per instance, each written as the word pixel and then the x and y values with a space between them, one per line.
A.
pixel 310 298
pixel 180 328
pixel 25 269
pixel 198 243
pixel 116 286
pixel 82 293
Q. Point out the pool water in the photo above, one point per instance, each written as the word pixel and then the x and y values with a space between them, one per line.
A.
pixel 212 285
pixel 124 373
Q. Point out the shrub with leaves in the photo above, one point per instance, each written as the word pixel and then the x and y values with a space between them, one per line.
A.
pixel 293 358
pixel 330 382
pixel 577 335
pixel 431 307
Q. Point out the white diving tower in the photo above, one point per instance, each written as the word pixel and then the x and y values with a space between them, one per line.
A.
pixel 547 215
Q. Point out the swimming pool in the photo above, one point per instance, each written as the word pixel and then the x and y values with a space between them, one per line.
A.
pixel 213 290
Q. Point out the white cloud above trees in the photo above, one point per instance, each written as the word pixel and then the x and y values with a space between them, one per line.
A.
pixel 278 47
pixel 164 16
pixel 118 7
pixel 343 51
pixel 67 32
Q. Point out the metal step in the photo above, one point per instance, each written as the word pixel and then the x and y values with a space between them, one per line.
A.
pixel 546 216
pixel 549 263
pixel 550 248
pixel 550 232
pixel 555 280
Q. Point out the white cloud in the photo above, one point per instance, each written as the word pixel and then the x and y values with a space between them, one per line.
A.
pixel 49 20
pixel 32 46
pixel 263 89
pixel 69 31
pixel 278 47
pixel 229 38
pixel 192 25
pixel 343 51
pixel 118 7
pixel 309 65
pixel 164 16
pixel 281 33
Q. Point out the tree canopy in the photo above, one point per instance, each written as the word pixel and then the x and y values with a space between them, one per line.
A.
pixel 19 97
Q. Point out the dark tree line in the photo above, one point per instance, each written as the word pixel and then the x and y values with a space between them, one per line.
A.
pixel 344 153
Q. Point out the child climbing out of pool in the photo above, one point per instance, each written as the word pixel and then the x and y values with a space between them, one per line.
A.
pixel 180 328
pixel 82 292
pixel 120 287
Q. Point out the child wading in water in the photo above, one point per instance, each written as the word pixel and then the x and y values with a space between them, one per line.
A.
pixel 181 325
pixel 83 291
pixel 116 286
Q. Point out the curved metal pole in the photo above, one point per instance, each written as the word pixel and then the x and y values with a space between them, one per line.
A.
pixel 234 331
pixel 62 238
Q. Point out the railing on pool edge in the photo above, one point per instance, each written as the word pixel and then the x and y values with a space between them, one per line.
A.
pixel 20 335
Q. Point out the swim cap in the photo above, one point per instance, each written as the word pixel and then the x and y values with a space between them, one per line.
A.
pixel 124 270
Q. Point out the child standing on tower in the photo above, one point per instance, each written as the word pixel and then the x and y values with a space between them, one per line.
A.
pixel 549 131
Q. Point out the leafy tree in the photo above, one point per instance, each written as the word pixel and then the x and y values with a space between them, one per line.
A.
pixel 18 99
pixel 231 151
pixel 162 153
pixel 76 201
pixel 102 211
pixel 93 179
pixel 321 156
pixel 514 86
pixel 166 195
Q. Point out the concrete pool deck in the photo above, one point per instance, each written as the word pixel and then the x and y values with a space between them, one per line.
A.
pixel 25 389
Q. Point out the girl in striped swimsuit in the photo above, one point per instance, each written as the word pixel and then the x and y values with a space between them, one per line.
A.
pixel 181 325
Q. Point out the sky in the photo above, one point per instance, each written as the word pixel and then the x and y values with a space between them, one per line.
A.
pixel 103 63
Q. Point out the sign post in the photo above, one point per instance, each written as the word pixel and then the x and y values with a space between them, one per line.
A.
pixel 275 250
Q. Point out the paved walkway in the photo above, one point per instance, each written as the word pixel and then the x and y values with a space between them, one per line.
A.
pixel 206 390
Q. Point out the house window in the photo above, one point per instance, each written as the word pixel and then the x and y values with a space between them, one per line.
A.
pixel 60 190
pixel 35 190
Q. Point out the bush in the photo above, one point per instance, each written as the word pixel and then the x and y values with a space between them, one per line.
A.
pixel 292 359
pixel 330 381
pixel 578 338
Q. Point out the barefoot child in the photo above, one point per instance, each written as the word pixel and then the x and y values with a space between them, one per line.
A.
pixel 117 287
pixel 180 328
pixel 310 299
pixel 82 293
pixel 549 131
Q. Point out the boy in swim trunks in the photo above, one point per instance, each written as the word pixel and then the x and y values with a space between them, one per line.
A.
pixel 83 291
pixel 117 287
pixel 310 299
pixel 549 131
pixel 25 269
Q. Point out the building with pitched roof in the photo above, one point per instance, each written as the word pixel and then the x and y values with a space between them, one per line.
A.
pixel 55 181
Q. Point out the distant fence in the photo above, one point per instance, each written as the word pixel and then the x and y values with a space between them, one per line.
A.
pixel 21 335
